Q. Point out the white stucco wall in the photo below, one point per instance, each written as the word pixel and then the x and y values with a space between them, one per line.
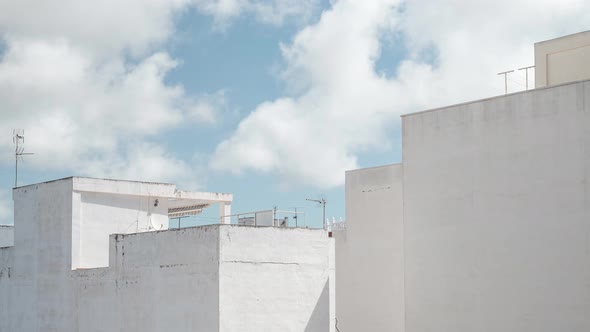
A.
pixel 6 236
pixel 497 214
pixel 209 278
pixel 38 291
pixel 369 253
pixel 159 281
pixel 6 272
pixel 275 279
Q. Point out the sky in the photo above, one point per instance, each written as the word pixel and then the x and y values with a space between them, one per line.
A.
pixel 269 100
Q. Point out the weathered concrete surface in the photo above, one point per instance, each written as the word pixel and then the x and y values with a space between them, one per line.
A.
pixel 192 279
pixel 497 214
pixel 39 290
pixel 275 279
pixel 369 253
pixel 158 281
pixel 6 236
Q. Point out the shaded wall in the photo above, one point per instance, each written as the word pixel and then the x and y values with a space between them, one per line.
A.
pixel 103 214
pixel 275 279
pixel 369 253
pixel 497 214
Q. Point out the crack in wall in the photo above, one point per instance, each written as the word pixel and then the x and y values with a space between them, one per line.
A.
pixel 259 263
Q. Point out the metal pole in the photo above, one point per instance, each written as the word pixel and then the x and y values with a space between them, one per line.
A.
pixel 324 208
pixel 526 71
pixel 16 171
pixel 18 152
pixel 17 138
pixel 323 202
pixel 505 73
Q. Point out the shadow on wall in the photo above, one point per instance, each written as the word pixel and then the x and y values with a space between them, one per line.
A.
pixel 320 317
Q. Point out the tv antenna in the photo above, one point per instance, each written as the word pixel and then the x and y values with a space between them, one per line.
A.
pixel 296 216
pixel 323 202
pixel 18 138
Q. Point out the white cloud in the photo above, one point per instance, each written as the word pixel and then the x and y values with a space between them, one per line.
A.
pixel 273 12
pixel 206 108
pixel 343 106
pixel 79 114
pixel 87 82
pixel 102 28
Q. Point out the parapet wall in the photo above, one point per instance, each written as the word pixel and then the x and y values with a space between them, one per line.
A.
pixel 156 281
pixel 6 236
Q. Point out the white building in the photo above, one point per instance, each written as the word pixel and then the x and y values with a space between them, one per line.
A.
pixel 485 224
pixel 6 236
pixel 96 255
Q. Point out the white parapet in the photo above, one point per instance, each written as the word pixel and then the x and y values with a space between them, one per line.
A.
pixel 6 235
pixel 207 278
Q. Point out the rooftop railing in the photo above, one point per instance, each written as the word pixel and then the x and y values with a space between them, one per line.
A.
pixel 274 218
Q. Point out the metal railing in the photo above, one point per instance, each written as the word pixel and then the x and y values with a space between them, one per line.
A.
pixel 335 225
pixel 274 218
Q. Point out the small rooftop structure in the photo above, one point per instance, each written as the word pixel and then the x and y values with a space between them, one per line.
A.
pixel 562 60
pixel 100 207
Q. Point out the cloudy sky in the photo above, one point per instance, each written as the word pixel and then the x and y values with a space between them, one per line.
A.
pixel 271 100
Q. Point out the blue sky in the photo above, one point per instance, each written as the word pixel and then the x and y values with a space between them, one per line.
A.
pixel 269 100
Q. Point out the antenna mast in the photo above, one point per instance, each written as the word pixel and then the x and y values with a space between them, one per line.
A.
pixel 323 202
pixel 18 138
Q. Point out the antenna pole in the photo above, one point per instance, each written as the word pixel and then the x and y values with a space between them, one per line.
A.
pixel 526 73
pixel 505 73
pixel 16 139
pixel 323 202
pixel 16 169
pixel 19 135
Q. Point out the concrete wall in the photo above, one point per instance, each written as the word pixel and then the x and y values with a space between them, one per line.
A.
pixel 275 279
pixel 6 272
pixel 369 253
pixel 562 60
pixel 208 278
pixel 6 236
pixel 497 214
pixel 38 291
pixel 157 281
